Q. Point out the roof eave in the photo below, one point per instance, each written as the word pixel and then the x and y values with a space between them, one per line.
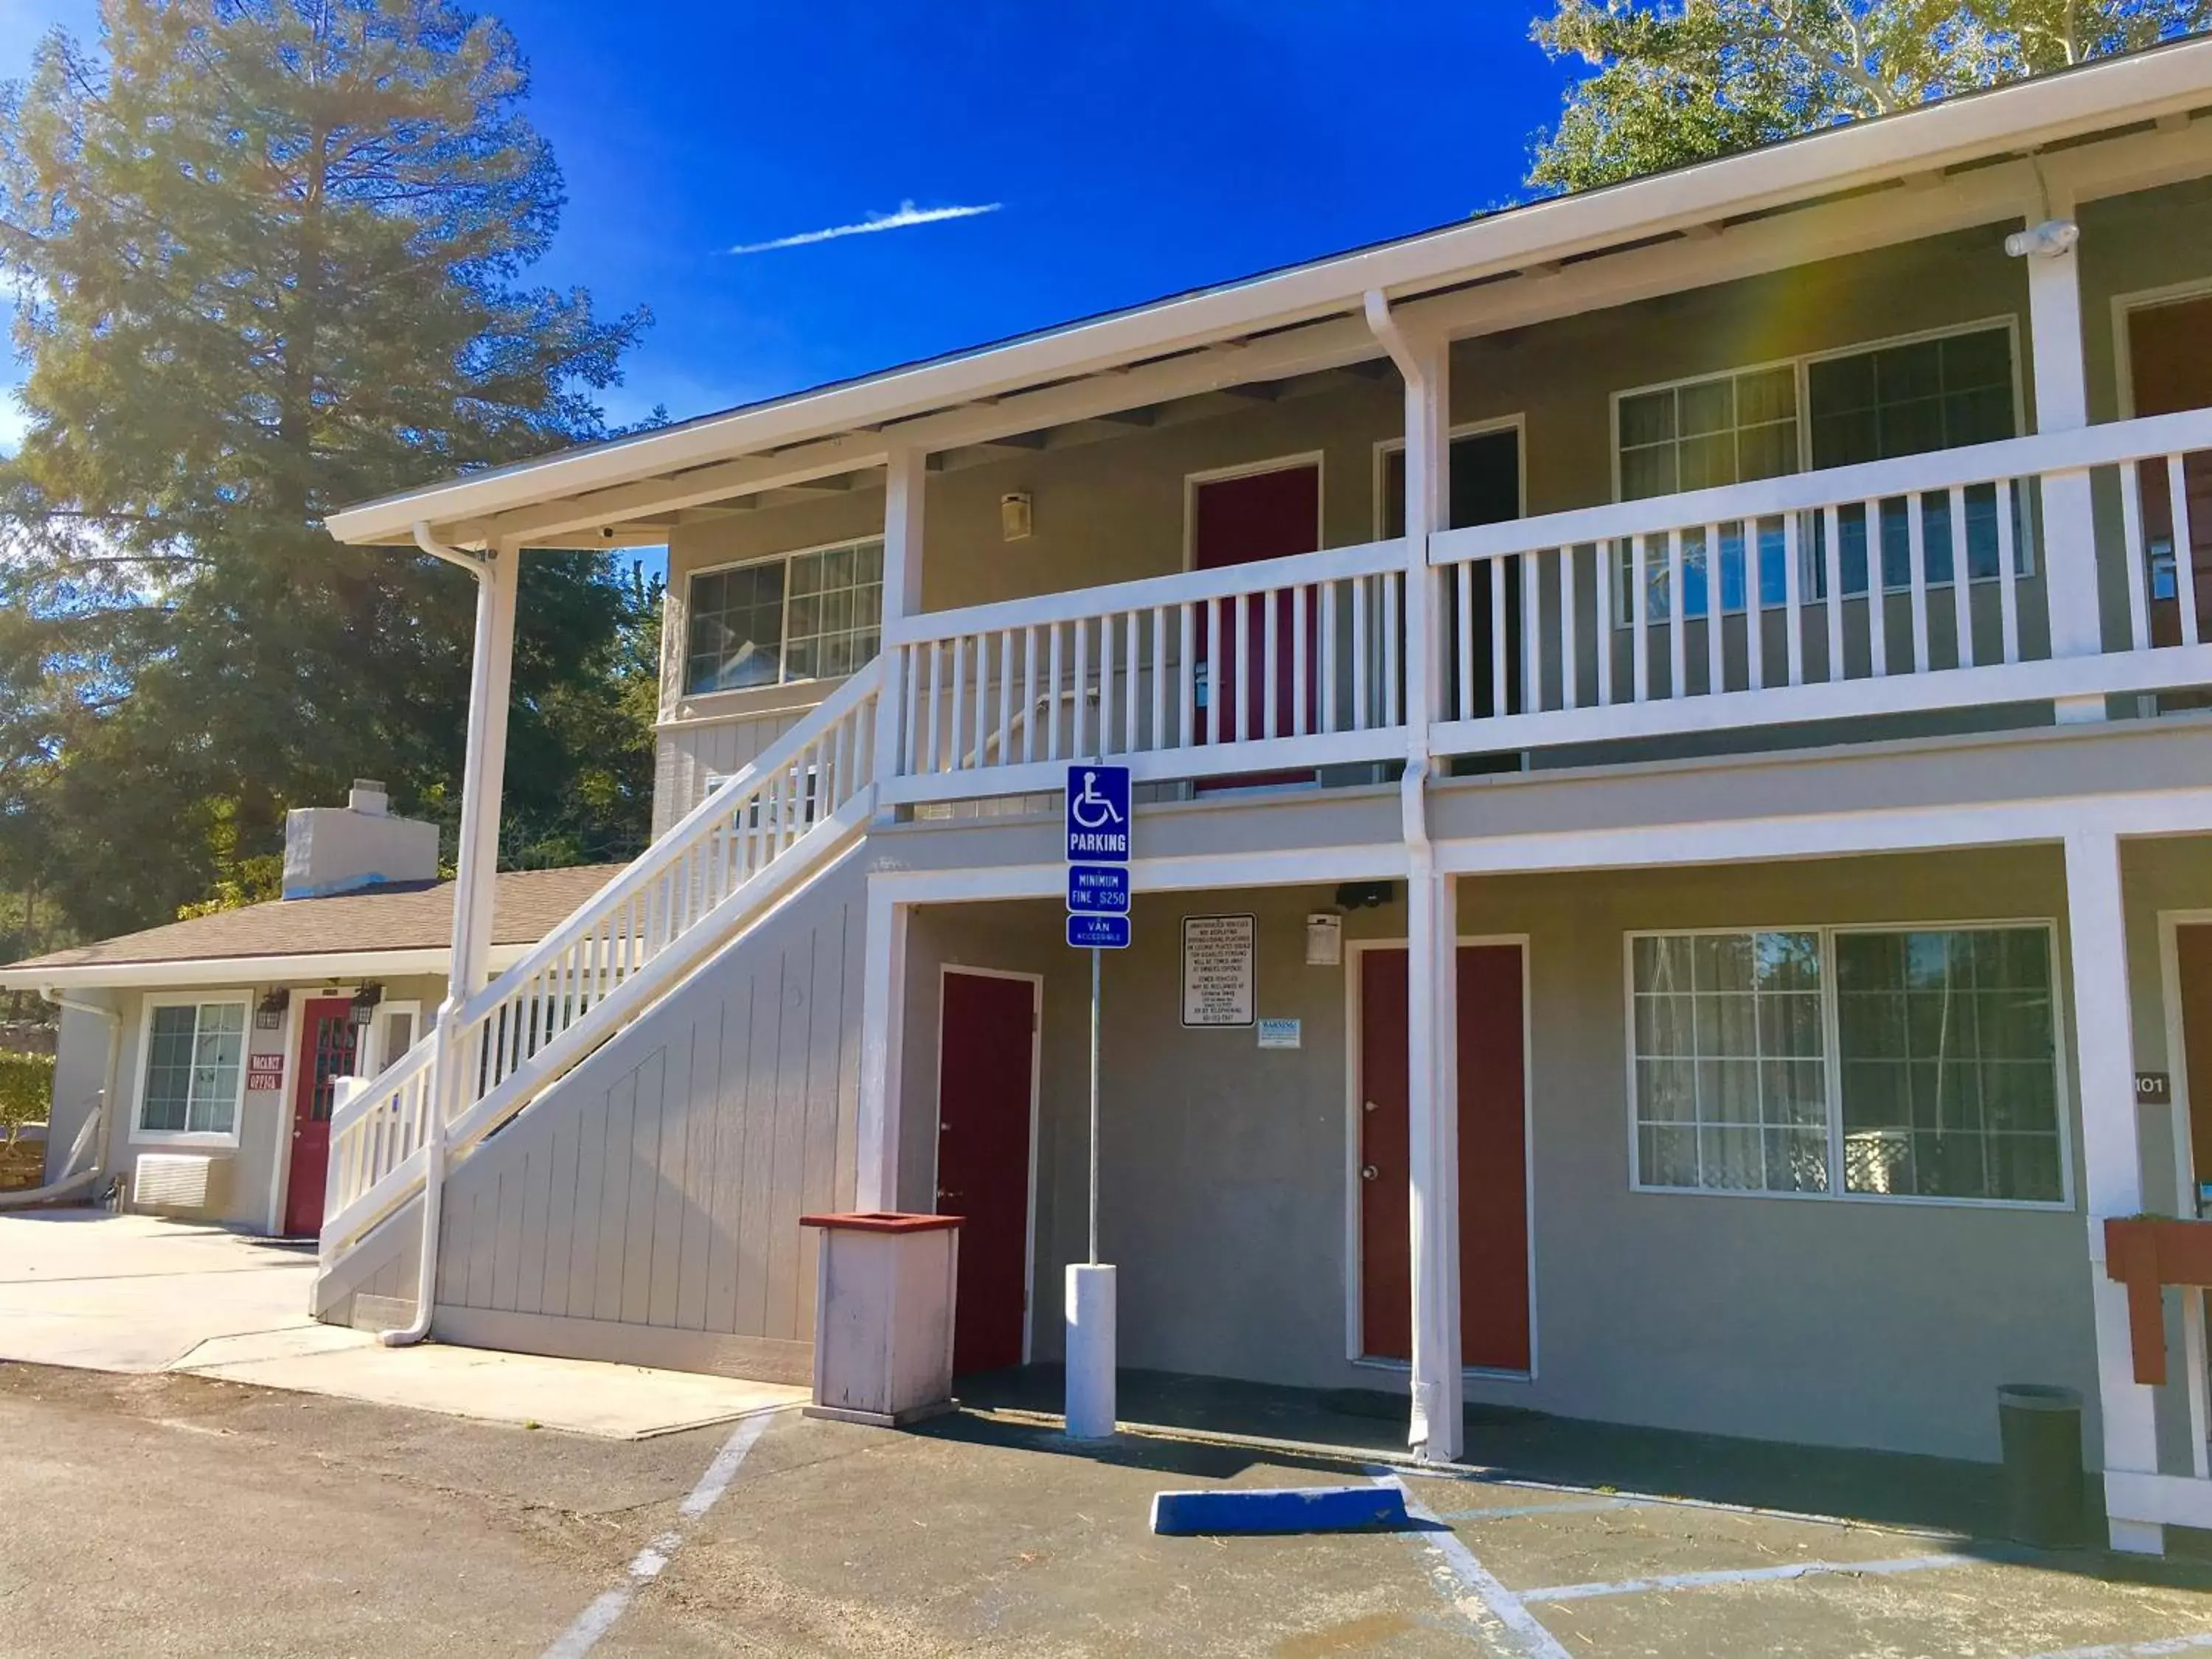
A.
pixel 2024 115
pixel 195 972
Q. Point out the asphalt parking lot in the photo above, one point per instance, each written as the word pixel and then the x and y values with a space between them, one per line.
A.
pixel 174 1514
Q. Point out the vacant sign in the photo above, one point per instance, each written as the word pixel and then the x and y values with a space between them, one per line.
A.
pixel 1217 970
pixel 265 1071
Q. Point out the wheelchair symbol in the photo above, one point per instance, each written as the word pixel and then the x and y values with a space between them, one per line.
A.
pixel 1090 809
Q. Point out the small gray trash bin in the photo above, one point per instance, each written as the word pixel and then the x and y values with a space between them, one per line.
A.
pixel 2040 1426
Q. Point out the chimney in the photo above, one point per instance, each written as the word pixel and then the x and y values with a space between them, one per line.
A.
pixel 338 849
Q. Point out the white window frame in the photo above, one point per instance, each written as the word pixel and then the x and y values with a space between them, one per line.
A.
pixel 139 1134
pixel 683 644
pixel 383 1058
pixel 1836 1192
pixel 1516 423
pixel 1624 609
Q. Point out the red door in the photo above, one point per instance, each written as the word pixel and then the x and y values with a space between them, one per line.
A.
pixel 327 1038
pixel 1493 1160
pixel 985 1072
pixel 1259 515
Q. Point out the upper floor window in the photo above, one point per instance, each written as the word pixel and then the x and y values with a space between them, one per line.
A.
pixel 1869 403
pixel 814 615
pixel 1725 429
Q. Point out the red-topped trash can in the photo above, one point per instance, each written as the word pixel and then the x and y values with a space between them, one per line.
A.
pixel 883 1316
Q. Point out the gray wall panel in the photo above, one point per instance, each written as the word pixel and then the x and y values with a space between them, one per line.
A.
pixel 657 1189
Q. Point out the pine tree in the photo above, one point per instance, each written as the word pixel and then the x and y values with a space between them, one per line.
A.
pixel 1681 81
pixel 269 259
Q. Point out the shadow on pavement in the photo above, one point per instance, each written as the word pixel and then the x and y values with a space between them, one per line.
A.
pixel 1946 1496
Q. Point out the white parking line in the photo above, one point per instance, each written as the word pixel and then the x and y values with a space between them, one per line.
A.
pixel 1751 1575
pixel 2155 1650
pixel 1487 1604
pixel 597 1620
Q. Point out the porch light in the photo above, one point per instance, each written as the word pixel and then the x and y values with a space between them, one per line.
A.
pixel 268 1012
pixel 1014 516
pixel 364 1003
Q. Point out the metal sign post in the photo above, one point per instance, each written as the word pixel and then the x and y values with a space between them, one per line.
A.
pixel 1097 920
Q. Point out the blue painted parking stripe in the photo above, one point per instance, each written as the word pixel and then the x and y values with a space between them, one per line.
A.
pixel 1231 1509
pixel 1757 1575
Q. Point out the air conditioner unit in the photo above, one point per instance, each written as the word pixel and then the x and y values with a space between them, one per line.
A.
pixel 171 1181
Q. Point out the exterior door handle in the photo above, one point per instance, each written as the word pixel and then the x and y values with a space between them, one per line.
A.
pixel 1368 1172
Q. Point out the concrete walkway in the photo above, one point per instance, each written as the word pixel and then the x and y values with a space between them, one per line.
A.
pixel 135 1293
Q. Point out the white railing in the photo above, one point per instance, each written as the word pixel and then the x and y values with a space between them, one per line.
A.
pixel 1837 594
pixel 1280 665
pixel 750 840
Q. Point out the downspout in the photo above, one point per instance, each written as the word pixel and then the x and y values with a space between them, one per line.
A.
pixel 441 1079
pixel 1429 1429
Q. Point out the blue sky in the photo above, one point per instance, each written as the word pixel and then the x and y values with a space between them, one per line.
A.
pixel 1127 150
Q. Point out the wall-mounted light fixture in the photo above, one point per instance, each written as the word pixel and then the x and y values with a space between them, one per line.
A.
pixel 268 1012
pixel 364 1003
pixel 1015 520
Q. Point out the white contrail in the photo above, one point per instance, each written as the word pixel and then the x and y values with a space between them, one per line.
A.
pixel 907 214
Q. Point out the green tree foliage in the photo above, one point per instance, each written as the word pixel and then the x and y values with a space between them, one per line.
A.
pixel 268 258
pixel 1681 81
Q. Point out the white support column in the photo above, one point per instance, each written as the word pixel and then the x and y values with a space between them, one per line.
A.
pixel 906 473
pixel 1432 1031
pixel 484 776
pixel 2112 1158
pixel 1435 1428
pixel 2062 405
pixel 882 1009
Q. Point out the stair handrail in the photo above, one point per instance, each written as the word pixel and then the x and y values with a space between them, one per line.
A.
pixel 700 823
pixel 776 802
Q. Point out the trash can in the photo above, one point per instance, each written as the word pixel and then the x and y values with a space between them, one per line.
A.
pixel 2040 1427
pixel 883 1316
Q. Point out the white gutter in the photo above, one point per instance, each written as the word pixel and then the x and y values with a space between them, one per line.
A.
pixel 429 959
pixel 2098 97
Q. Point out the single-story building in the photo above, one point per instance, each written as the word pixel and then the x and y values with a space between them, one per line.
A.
pixel 196 1064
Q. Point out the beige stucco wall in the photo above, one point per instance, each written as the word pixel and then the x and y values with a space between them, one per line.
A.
pixel 240 1188
pixel 1853 1322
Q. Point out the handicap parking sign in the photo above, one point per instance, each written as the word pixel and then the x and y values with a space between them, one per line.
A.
pixel 1097 814
pixel 1098 932
pixel 1099 889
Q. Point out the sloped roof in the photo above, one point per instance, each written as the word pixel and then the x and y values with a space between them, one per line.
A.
pixel 526 905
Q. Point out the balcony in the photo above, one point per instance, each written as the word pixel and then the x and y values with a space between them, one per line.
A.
pixel 1817 597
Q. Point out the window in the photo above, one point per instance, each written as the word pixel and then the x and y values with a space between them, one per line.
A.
pixel 1848 1062
pixel 1723 430
pixel 808 616
pixel 395 1034
pixel 195 1060
pixel 1869 404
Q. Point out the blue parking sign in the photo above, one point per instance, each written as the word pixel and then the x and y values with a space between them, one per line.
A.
pixel 1098 932
pixel 1097 814
pixel 1099 889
